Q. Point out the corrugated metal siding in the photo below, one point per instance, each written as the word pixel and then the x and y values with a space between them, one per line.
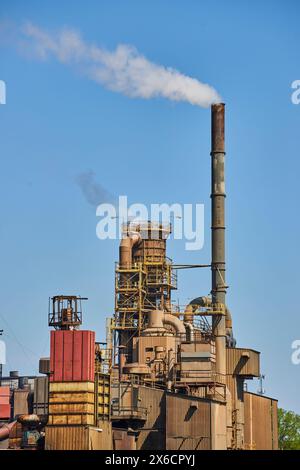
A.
pixel 40 398
pixel 238 365
pixel 261 432
pixel 5 411
pixel 4 393
pixel 66 438
pixel 123 441
pixel 188 423
pixel 15 436
pixel 102 393
pixel 78 438
pixel 72 355
pixel 153 434
pixel 22 402
pixel 4 403
pixel 71 403
pixel 72 387
pixel 218 426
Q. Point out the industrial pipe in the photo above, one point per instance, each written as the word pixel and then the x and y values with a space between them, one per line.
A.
pixel 190 327
pixel 5 430
pixel 207 302
pixel 218 195
pixel 157 319
pixel 125 262
pixel 170 319
pixel 126 246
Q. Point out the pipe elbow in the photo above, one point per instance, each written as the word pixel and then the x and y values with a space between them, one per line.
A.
pixel 201 301
pixel 126 245
pixel 5 430
pixel 177 324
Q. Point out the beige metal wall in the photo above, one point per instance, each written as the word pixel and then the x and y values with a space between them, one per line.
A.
pixel 261 428
pixel 242 361
pixel 176 422
pixel 40 400
pixel 79 437
pixel 71 403
pixel 188 423
pixel 22 402
pixel 218 426
pixel 152 433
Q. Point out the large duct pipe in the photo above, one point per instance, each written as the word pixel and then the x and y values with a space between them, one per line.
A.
pixel 157 319
pixel 177 324
pixel 218 232
pixel 126 245
pixel 5 430
pixel 207 302
pixel 125 262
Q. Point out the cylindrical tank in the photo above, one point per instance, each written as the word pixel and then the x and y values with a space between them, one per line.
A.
pixel 152 248
pixel 14 374
pixel 23 382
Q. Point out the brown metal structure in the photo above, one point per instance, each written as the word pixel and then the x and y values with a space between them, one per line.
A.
pixel 168 377
pixel 170 357
pixel 65 312
pixel 260 422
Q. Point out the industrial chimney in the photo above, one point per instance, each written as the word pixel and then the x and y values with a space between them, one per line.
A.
pixel 218 233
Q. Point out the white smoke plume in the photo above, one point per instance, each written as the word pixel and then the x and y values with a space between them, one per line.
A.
pixel 123 70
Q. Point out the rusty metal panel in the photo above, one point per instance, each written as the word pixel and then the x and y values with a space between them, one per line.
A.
pixel 218 426
pixel 78 437
pixel 71 419
pixel 231 384
pixel 244 362
pixel 72 355
pixel 5 411
pixel 15 436
pixel 146 346
pixel 152 434
pixel 123 441
pixel 22 402
pixel 4 395
pixel 66 438
pixel 261 432
pixel 188 423
pixel 40 398
pixel 71 403
pixel 71 387
pixel 44 365
pixel 102 394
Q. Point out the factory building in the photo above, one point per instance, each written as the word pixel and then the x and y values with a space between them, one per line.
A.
pixel 166 378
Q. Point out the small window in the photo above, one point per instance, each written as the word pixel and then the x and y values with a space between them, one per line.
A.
pixel 149 349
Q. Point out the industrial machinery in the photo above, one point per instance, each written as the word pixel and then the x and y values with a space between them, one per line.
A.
pixel 186 359
pixel 167 378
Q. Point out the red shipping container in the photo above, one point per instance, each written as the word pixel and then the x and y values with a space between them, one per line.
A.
pixel 4 391
pixel 72 356
pixel 5 411
pixel 4 395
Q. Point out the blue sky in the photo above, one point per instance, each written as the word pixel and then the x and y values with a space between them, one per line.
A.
pixel 57 124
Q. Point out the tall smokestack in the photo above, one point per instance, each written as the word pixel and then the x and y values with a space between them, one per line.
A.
pixel 218 232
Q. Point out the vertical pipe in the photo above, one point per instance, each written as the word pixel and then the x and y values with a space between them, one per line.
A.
pixel 218 232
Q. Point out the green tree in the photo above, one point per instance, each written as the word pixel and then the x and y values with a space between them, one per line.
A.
pixel 288 430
